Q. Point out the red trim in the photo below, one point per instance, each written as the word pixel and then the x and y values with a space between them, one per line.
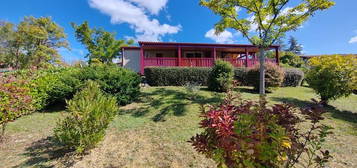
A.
pixel 142 63
pixel 179 56
pixel 198 44
pixel 277 56
pixel 246 58
pixel 131 48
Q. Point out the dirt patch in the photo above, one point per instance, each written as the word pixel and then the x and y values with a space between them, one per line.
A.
pixel 137 149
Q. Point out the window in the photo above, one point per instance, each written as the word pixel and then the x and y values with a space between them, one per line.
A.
pixel 193 54
pixel 159 55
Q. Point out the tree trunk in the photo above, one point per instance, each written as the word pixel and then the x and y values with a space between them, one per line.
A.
pixel 262 72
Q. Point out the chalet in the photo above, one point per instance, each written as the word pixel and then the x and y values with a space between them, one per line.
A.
pixel 166 54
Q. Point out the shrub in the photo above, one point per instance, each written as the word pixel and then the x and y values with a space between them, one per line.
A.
pixel 249 134
pixel 176 76
pixel 274 76
pixel 90 114
pixel 221 77
pixel 192 90
pixel 119 82
pixel 332 76
pixel 292 59
pixel 15 100
pixel 293 77
pixel 54 85
pixel 240 74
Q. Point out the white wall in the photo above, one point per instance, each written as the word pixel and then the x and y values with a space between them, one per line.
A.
pixel 131 59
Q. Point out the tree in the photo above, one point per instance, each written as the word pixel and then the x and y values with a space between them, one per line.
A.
pixel 291 59
pixel 267 20
pixel 332 76
pixel 294 46
pixel 6 32
pixel 31 43
pixel 100 44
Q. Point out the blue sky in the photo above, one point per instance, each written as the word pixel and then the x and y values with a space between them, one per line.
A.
pixel 328 32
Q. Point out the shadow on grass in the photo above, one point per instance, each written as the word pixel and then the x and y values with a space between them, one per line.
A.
pixel 167 101
pixel 56 107
pixel 44 152
pixel 335 113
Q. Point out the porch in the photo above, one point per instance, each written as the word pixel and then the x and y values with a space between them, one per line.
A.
pixel 199 55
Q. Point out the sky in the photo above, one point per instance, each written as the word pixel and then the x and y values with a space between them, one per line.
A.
pixel 333 31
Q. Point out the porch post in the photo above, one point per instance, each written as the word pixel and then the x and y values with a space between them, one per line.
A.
pixel 142 60
pixel 179 56
pixel 214 54
pixel 277 55
pixel 246 57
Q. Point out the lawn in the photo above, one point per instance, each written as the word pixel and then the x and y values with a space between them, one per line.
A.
pixel 153 132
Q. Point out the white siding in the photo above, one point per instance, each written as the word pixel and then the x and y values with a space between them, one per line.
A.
pixel 131 59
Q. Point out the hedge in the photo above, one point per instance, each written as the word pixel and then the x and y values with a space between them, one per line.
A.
pixel 176 76
pixel 293 77
pixel 180 76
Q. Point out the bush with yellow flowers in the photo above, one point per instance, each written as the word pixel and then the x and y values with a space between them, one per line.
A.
pixel 332 76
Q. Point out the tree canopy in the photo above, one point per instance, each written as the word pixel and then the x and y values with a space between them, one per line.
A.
pixel 267 19
pixel 294 46
pixel 100 44
pixel 263 22
pixel 31 43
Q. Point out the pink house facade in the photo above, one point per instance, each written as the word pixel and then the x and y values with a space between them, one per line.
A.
pixel 169 54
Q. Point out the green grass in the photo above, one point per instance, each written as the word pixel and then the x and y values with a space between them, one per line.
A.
pixel 154 131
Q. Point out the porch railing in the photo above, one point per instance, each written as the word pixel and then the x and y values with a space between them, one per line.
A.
pixel 163 61
pixel 199 62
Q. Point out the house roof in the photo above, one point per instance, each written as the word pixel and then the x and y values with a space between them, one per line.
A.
pixel 131 48
pixel 143 43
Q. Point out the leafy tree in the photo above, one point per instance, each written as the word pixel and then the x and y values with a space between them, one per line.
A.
pixel 332 76
pixel 294 46
pixel 267 20
pixel 31 43
pixel 101 45
pixel 291 59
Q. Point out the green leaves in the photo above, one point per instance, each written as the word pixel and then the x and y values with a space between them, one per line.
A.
pixel 333 76
pixel 91 111
pixel 32 43
pixel 101 45
pixel 264 21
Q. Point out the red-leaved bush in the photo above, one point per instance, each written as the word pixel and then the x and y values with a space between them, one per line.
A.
pixel 15 100
pixel 241 133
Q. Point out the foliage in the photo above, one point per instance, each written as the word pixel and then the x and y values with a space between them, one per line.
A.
pixel 49 86
pixel 119 82
pixel 192 90
pixel 274 76
pixel 101 45
pixel 294 46
pixel 241 133
pixel 292 59
pixel 333 76
pixel 31 43
pixel 240 74
pixel 176 76
pixel 55 85
pixel 15 100
pixel 267 20
pixel 221 77
pixel 91 111
pixel 293 77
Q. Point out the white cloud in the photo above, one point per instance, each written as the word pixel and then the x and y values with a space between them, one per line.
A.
pixel 134 12
pixel 353 40
pixel 222 38
pixel 154 6
pixel 285 11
